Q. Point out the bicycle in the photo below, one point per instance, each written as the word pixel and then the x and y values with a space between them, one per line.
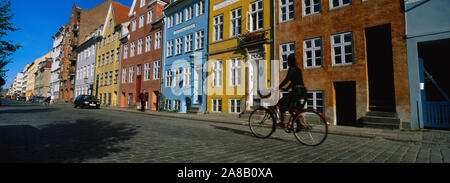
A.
pixel 309 126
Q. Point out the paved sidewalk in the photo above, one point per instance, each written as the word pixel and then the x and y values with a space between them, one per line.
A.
pixel 405 135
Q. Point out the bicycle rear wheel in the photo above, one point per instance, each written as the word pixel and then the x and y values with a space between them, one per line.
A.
pixel 262 123
pixel 310 127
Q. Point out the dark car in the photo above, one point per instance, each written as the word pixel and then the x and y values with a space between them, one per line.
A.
pixel 86 101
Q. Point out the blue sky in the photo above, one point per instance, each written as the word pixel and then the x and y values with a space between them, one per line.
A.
pixel 38 21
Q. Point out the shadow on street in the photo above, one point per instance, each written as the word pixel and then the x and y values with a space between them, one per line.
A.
pixel 62 142
pixel 242 132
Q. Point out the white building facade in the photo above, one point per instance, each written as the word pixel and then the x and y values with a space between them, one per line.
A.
pixel 56 64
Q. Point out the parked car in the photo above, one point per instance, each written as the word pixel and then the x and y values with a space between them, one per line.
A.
pixel 86 101
pixel 21 98
pixel 38 99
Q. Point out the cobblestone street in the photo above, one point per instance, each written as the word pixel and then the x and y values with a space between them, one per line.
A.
pixel 60 133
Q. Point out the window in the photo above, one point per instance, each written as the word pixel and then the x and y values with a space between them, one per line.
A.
pixel 187 77
pixel 313 53
pixel 101 80
pixel 114 36
pixel 256 16
pixel 170 22
pixel 158 40
pixel 140 46
pixel 287 10
pixel 177 78
pixel 169 48
pixel 235 106
pixel 130 98
pixel 168 104
pixel 103 59
pixel 116 76
pixel 133 25
pixel 236 22
pixel 110 77
pixel 189 13
pixel 107 58
pixel 200 8
pixel 342 48
pixel 217 73
pixel 124 75
pixel 106 79
pixel 109 39
pixel 141 21
pixel 311 7
pixel 178 46
pixel 218 28
pixel 199 40
pixel 142 3
pixel 110 22
pixel 139 70
pixel 149 17
pixel 99 61
pixel 147 72
pixel 176 106
pixel 315 100
pixel 131 75
pixel 118 54
pixel 156 68
pixel 179 17
pixel 168 78
pixel 132 49
pixel 340 3
pixel 112 56
pixel 286 50
pixel 235 72
pixel 188 43
pixel 125 52
pixel 217 105
pixel 148 43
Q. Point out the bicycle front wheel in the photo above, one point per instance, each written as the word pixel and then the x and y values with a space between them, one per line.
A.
pixel 262 123
pixel 310 127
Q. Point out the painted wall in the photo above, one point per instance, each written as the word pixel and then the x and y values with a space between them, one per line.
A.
pixel 426 20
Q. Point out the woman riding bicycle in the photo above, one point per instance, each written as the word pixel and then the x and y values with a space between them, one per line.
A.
pixel 296 85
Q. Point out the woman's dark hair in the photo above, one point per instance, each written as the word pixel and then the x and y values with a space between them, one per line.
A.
pixel 292 62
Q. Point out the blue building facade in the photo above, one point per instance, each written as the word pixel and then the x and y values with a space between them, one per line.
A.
pixel 428 42
pixel 185 48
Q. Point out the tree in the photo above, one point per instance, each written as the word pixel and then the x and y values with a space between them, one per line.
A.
pixel 7 47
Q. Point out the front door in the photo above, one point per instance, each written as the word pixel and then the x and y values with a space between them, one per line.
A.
pixel 345 96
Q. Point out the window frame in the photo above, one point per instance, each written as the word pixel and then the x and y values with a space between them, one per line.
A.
pixel 287 53
pixel 342 45
pixel 313 50
pixel 286 6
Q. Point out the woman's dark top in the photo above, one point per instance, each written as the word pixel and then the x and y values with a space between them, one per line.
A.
pixel 295 76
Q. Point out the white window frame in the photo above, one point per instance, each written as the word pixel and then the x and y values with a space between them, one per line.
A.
pixel 235 71
pixel 133 25
pixel 148 43
pixel 311 7
pixel 169 79
pixel 284 9
pixel 112 56
pixel 147 71
pixel 314 47
pixel 200 8
pixel 132 49
pixel 170 22
pixel 199 39
pixel 177 77
pixel 150 17
pixel 188 43
pixel 234 102
pixel 141 21
pixel 218 27
pixel 178 46
pixel 124 75
pixel 217 105
pixel 158 37
pixel 142 3
pixel 284 55
pixel 125 52
pixel 179 17
pixel 187 77
pixel 156 69
pixel 341 4
pixel 342 44
pixel 255 14
pixel 140 46
pixel 168 104
pixel 131 75
pixel 189 13
pixel 314 100
pixel 169 48
pixel 236 22
pixel 217 73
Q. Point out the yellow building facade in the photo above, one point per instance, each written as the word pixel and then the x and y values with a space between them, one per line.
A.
pixel 31 75
pixel 240 54
pixel 108 59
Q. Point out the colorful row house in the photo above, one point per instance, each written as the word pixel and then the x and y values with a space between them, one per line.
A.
pixel 108 54
pixel 240 54
pixel 353 57
pixel 185 48
pixel 142 54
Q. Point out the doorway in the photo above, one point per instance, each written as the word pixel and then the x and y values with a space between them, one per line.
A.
pixel 345 95
pixel 380 68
